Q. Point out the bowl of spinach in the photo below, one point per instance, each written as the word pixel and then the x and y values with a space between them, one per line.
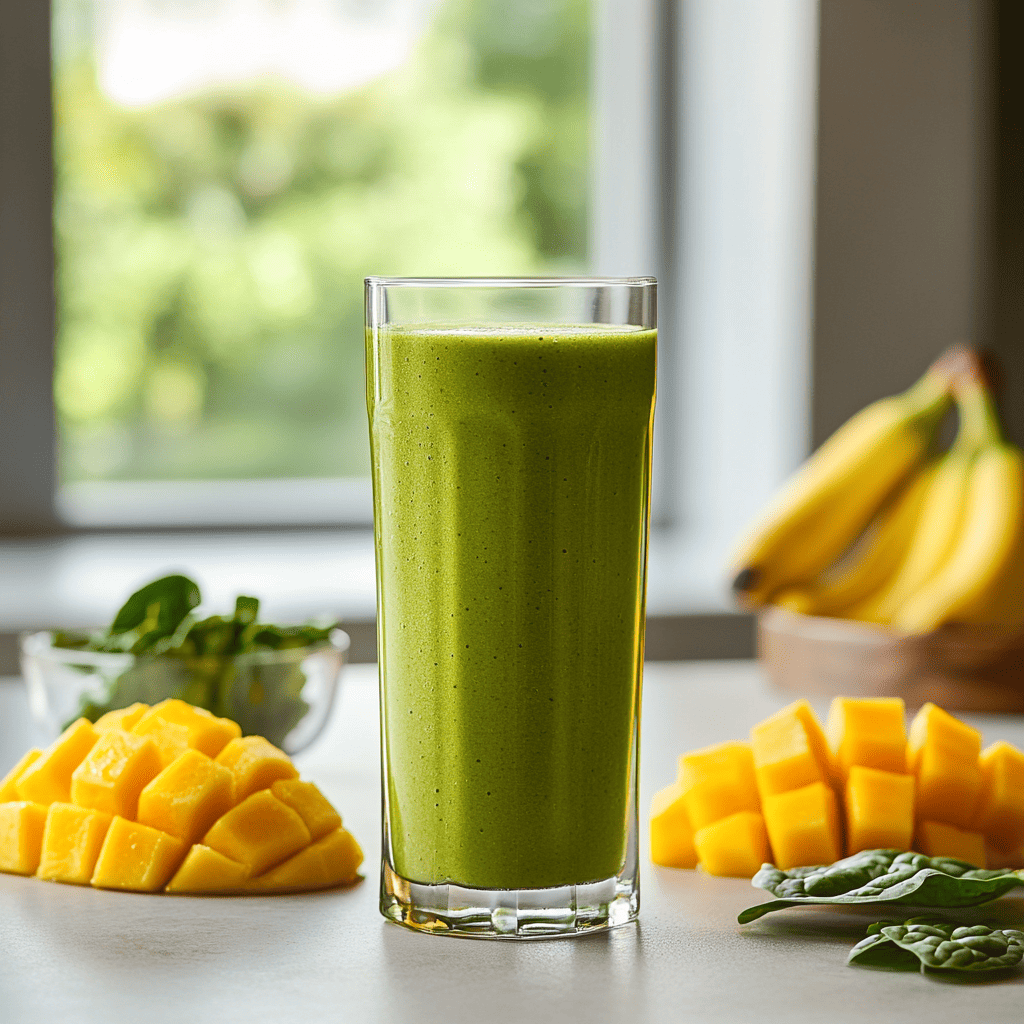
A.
pixel 275 681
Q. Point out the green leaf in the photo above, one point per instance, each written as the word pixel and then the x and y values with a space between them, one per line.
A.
pixel 882 876
pixel 173 597
pixel 938 945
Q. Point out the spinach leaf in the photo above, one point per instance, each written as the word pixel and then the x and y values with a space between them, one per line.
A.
pixel 940 946
pixel 882 876
pixel 164 602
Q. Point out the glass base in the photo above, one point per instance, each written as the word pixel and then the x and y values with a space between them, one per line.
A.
pixel 509 913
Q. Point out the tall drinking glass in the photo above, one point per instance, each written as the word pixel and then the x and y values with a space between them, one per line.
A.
pixel 510 432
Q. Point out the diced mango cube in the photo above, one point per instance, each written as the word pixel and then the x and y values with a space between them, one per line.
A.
pixel 9 783
pixel 137 857
pixel 256 764
pixel 260 832
pixel 171 739
pixel 942 753
pixel 718 781
pixel 671 834
pixel 736 846
pixel 790 750
pixel 187 797
pixel 206 732
pixel 938 839
pixel 996 858
pixel 1000 814
pixel 48 779
pixel 803 826
pixel 207 871
pixel 114 772
pixel 21 836
pixel 331 860
pixel 72 842
pixel 867 731
pixel 121 718
pixel 310 804
pixel 879 810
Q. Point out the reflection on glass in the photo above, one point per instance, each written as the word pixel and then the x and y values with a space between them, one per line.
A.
pixel 228 172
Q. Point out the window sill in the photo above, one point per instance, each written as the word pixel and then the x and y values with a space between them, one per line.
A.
pixel 78 581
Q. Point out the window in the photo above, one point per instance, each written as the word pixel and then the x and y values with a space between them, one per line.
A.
pixel 227 174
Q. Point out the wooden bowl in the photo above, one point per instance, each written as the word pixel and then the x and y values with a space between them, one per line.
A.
pixel 959 668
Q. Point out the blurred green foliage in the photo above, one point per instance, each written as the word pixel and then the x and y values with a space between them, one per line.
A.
pixel 211 249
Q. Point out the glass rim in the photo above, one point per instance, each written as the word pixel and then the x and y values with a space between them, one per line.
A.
pixel 511 282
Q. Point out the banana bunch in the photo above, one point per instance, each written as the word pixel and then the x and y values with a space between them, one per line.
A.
pixel 878 526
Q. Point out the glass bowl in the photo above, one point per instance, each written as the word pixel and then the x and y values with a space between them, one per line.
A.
pixel 284 695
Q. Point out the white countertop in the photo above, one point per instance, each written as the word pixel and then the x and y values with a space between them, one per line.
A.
pixel 73 954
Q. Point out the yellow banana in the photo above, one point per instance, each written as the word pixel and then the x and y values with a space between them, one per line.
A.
pixel 830 500
pixel 981 582
pixel 932 537
pixel 874 558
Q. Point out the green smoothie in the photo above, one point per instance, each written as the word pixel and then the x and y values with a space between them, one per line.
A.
pixel 511 473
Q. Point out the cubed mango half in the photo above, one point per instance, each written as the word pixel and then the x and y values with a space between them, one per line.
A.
pixel 735 846
pixel 48 779
pixel 671 832
pixel 867 731
pixel 114 772
pixel 310 804
pixel 939 839
pixel 136 857
pixel 803 826
pixel 1000 814
pixel 21 836
pixel 206 732
pixel 205 871
pixel 256 764
pixel 879 810
pixel 260 832
pixel 790 751
pixel 187 797
pixel 72 841
pixel 942 753
pixel 718 781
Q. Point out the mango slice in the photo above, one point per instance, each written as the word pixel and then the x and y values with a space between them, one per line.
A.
pixel 942 753
pixel 21 836
pixel 136 857
pixel 330 861
pixel 72 841
pixel 879 810
pixel 114 772
pixel 170 738
pixel 869 732
pixel 803 826
pixel 48 779
pixel 260 832
pixel 938 839
pixel 187 797
pixel 256 764
pixel 790 751
pixel 9 783
pixel 1000 814
pixel 718 781
pixel 671 833
pixel 207 871
pixel 310 804
pixel 206 732
pixel 121 718
pixel 736 846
